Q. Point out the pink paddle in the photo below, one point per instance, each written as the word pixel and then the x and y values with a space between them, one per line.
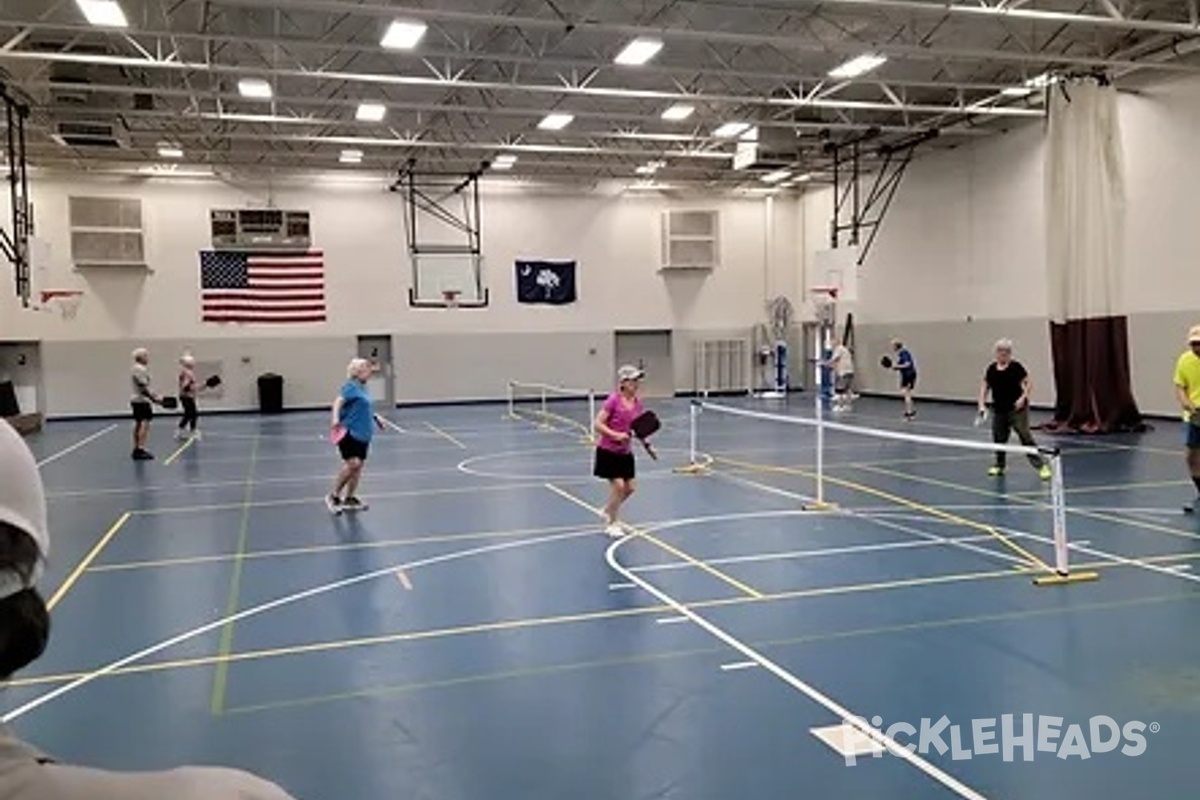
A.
pixel 337 434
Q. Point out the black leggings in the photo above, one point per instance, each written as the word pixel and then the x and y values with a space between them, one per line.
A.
pixel 190 413
pixel 1004 424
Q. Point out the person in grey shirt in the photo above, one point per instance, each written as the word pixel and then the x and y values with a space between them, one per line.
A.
pixel 142 402
pixel 26 773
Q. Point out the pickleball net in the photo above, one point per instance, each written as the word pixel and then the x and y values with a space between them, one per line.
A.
pixel 737 440
pixel 553 407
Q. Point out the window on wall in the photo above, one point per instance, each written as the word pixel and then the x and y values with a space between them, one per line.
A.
pixel 106 231
pixel 690 239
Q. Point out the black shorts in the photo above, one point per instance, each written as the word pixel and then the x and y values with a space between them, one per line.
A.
pixel 142 410
pixel 350 448
pixel 908 380
pixel 611 466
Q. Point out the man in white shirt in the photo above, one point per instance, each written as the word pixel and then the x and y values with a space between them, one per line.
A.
pixel 25 772
pixel 842 364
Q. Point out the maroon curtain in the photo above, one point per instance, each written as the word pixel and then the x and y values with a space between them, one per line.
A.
pixel 1092 379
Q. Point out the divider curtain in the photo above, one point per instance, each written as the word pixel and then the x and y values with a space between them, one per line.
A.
pixel 1085 210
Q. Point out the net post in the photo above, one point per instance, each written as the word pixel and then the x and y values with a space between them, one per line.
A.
pixel 819 409
pixel 1058 506
pixel 695 465
pixel 545 409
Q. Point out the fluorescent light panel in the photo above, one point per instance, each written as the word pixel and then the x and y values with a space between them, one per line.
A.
pixel 254 87
pixel 351 157
pixel 731 129
pixel 403 35
pixel 555 122
pixel 858 66
pixel 677 112
pixel 776 177
pixel 370 112
pixel 168 151
pixel 638 52
pixel 103 13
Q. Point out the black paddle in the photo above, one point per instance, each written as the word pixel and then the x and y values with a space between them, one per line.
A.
pixel 645 426
pixel 213 382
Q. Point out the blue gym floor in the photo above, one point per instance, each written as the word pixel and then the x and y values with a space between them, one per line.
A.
pixel 476 635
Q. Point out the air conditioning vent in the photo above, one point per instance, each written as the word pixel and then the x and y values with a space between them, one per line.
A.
pixel 89 134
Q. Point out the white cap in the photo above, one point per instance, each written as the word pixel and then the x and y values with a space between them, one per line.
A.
pixel 22 502
pixel 630 373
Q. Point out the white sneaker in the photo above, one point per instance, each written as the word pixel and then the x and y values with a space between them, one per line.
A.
pixel 614 530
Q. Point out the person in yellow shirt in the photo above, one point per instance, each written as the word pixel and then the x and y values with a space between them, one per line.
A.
pixel 1187 389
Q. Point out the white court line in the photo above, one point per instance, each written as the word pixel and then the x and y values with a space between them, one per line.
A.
pixel 55 456
pixel 445 435
pixel 277 603
pixel 616 587
pixel 736 665
pixel 388 423
pixel 670 620
pixel 844 714
pixel 1125 560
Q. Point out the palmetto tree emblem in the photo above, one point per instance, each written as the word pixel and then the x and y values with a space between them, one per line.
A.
pixel 549 281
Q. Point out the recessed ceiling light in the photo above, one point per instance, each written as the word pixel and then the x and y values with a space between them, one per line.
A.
pixel 370 112
pixel 167 151
pixel 858 66
pixel 254 87
pixel 638 52
pixel 403 35
pixel 103 13
pixel 555 122
pixel 730 129
pixel 677 112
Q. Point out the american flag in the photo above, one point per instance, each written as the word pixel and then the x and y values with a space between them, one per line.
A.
pixel 243 287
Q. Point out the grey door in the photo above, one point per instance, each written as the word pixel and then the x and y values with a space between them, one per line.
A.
pixel 650 350
pixel 20 363
pixel 378 350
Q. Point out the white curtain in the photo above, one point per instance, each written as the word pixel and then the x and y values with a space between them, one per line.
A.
pixel 1085 198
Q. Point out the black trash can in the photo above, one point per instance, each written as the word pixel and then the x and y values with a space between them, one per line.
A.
pixel 270 393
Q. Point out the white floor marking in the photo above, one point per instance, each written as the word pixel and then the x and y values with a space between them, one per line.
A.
pixel 388 423
pixel 444 435
pixel 278 603
pixel 846 741
pixel 842 713
pixel 738 665
pixel 616 587
pixel 1091 551
pixel 670 620
pixel 66 450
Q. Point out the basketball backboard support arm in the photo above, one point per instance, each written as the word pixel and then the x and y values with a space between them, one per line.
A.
pixel 866 214
pixel 14 243
pixel 449 202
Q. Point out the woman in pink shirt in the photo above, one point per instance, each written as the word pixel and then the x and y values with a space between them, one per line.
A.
pixel 614 446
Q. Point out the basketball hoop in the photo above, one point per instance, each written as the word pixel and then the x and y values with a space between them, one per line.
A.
pixel 65 301
pixel 450 297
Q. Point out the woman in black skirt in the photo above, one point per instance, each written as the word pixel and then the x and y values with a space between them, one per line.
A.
pixel 614 446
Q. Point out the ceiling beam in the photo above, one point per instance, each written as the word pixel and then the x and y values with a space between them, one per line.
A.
pixel 784 42
pixel 555 90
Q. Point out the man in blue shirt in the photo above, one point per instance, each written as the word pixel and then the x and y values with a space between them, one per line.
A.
pixel 353 422
pixel 907 367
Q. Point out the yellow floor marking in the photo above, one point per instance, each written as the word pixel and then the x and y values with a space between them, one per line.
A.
pixel 178 451
pixel 675 551
pixel 82 566
pixel 912 504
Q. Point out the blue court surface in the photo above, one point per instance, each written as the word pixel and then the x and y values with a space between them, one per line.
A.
pixel 475 634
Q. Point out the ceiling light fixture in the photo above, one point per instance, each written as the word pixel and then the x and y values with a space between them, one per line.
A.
pixel 555 122
pixel 403 35
pixel 678 112
pixel 169 151
pixel 731 129
pixel 351 157
pixel 254 87
pixel 857 67
pixel 103 13
pixel 638 52
pixel 370 112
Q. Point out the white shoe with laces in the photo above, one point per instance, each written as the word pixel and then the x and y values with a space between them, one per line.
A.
pixel 614 530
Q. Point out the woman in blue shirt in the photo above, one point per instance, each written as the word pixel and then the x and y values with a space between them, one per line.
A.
pixel 353 423
pixel 907 367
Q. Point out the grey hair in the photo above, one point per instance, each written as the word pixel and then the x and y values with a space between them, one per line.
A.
pixel 1004 344
pixel 355 365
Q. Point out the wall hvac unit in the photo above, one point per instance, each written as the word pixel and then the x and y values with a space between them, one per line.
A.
pixel 722 366
pixel 260 229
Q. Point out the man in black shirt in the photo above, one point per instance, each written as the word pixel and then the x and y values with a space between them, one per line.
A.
pixel 1010 386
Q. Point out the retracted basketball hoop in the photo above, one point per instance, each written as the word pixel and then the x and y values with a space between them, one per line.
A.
pixel 65 301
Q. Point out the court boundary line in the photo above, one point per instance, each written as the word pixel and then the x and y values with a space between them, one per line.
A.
pixel 846 716
pixel 50 459
pixel 261 608
pixel 85 562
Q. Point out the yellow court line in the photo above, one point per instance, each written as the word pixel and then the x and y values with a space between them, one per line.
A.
pixel 445 435
pixel 1137 523
pixel 673 655
pixel 178 451
pixel 586 616
pixel 82 566
pixel 221 677
pixel 695 562
pixel 1033 560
